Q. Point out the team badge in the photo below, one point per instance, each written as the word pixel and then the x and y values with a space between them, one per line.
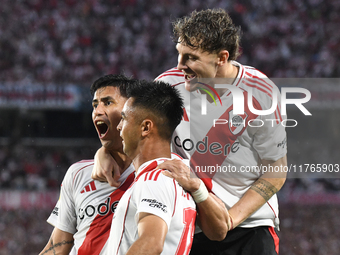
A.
pixel 237 122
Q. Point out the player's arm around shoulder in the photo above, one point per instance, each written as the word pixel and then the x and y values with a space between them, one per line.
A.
pixel 213 217
pixel 105 168
pixel 60 242
pixel 261 190
pixel 276 172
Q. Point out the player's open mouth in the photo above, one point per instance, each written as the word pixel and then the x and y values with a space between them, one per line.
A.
pixel 102 128
pixel 189 77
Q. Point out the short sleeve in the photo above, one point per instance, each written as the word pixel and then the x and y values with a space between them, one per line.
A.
pixel 67 218
pixel 53 218
pixel 270 139
pixel 156 197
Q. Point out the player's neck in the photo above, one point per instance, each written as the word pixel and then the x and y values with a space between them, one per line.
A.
pixel 228 71
pixel 226 75
pixel 122 160
pixel 152 150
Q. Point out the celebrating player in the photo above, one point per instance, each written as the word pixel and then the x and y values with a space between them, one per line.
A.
pixel 155 215
pixel 83 215
pixel 208 45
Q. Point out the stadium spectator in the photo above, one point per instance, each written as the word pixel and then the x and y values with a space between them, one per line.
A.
pixel 74 41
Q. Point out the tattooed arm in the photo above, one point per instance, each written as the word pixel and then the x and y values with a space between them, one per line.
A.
pixel 60 242
pixel 259 193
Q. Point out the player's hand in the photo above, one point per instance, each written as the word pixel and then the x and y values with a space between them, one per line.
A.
pixel 105 168
pixel 179 171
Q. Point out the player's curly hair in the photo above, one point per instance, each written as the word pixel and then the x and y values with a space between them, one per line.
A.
pixel 210 30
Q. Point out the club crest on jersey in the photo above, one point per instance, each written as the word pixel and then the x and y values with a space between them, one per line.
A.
pixel 237 122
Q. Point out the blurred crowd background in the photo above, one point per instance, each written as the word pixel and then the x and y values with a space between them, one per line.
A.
pixel 48 47
pixel 73 41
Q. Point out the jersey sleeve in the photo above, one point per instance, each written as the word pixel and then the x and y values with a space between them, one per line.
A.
pixel 67 218
pixel 270 139
pixel 172 76
pixel 53 218
pixel 157 197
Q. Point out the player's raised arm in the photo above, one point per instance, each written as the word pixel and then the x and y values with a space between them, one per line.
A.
pixel 60 242
pixel 213 217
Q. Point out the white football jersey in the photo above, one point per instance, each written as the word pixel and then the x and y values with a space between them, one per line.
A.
pixel 86 207
pixel 225 148
pixel 152 192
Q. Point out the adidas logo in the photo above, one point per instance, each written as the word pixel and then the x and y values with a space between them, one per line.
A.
pixel 89 187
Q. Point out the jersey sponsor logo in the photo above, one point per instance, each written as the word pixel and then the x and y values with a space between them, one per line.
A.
pixel 203 146
pixel 155 204
pixel 89 187
pixel 100 227
pixel 101 210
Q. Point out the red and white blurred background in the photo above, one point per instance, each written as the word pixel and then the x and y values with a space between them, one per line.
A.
pixel 51 51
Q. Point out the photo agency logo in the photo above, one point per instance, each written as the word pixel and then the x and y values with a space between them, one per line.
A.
pixel 243 106
pixel 217 126
pixel 204 97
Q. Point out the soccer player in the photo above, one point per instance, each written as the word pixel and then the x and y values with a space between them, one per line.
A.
pixel 236 152
pixel 155 215
pixel 83 215
pixel 208 45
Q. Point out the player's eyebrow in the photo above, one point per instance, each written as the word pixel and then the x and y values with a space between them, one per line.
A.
pixel 103 99
pixel 107 98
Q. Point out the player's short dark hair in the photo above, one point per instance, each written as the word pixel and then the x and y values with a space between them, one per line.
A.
pixel 114 80
pixel 210 30
pixel 162 101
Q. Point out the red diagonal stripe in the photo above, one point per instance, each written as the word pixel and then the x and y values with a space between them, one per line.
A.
pixel 99 230
pixel 222 135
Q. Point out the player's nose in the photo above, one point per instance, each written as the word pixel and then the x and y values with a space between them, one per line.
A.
pixel 181 63
pixel 119 126
pixel 99 110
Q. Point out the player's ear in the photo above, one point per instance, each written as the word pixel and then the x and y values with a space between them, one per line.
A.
pixel 146 126
pixel 223 57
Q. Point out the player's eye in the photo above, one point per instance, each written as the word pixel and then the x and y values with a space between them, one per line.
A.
pixel 193 58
